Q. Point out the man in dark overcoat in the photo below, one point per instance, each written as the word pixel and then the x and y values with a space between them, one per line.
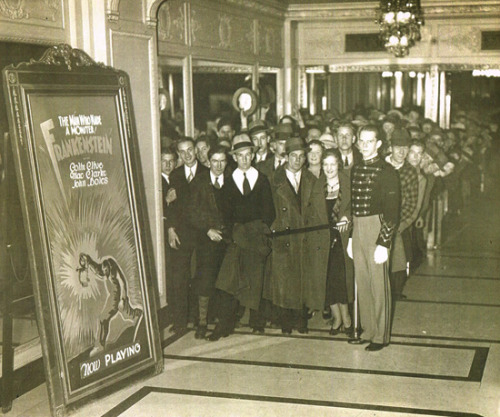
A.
pixel 292 186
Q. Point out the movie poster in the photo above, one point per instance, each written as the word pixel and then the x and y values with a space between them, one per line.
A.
pixel 95 259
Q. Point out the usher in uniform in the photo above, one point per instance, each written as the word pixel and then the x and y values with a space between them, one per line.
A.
pixel 375 209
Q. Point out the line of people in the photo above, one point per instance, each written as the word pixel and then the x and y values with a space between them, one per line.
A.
pixel 283 220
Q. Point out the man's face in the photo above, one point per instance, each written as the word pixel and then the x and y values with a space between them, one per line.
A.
pixel 168 163
pixel 345 138
pixel 399 153
pixel 244 159
pixel 260 141
pixel 437 139
pixel 415 155
pixel 218 163
pixel 226 132
pixel 187 153
pixel 201 150
pixel 388 127
pixel 314 154
pixel 368 144
pixel 313 134
pixel 279 148
pixel 427 128
pixel 296 160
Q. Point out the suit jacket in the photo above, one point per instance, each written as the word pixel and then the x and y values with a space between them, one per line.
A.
pixel 267 167
pixel 178 211
pixel 207 211
pixel 165 186
pixel 357 158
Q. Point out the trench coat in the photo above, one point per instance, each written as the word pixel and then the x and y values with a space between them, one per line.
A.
pixel 283 285
pixel 316 245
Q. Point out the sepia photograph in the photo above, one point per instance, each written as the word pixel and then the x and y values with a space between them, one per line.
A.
pixel 215 208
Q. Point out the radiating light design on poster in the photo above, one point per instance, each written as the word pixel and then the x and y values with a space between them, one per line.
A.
pixel 91 234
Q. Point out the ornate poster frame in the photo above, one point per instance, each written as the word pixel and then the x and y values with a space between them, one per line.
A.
pixel 79 175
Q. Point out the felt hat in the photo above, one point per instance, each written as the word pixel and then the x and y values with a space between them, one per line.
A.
pixel 400 137
pixel 248 97
pixel 294 144
pixel 240 142
pixel 257 126
pixel 283 131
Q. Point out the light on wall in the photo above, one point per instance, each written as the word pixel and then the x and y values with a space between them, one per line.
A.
pixel 399 22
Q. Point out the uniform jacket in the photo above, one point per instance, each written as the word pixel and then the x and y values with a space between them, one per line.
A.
pixel 284 285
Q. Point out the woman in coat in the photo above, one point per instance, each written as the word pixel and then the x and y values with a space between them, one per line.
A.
pixel 323 255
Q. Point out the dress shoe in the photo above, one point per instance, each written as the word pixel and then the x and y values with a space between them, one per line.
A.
pixel 336 331
pixel 217 334
pixel 201 332
pixel 374 347
pixel 258 330
pixel 327 313
pixel 348 330
pixel 303 330
pixel 358 341
pixel 286 330
pixel 177 329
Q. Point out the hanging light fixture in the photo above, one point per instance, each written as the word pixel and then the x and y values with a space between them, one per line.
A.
pixel 399 22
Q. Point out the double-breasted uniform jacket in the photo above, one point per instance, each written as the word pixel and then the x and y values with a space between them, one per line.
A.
pixel 316 246
pixel 284 283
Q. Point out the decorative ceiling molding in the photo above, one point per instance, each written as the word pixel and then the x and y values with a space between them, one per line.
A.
pixel 361 11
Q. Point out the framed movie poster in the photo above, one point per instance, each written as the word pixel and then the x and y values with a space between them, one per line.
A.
pixel 80 181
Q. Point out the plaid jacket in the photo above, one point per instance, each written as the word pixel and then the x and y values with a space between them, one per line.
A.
pixel 408 178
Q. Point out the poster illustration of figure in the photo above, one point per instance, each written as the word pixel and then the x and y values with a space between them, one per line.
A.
pixel 85 192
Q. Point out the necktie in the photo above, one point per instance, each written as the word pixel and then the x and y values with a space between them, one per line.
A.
pixel 217 183
pixel 346 162
pixel 297 182
pixel 246 185
pixel 190 176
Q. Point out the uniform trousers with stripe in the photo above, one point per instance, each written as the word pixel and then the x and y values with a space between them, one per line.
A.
pixel 372 280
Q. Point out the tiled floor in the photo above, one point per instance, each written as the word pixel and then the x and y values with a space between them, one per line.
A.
pixel 444 357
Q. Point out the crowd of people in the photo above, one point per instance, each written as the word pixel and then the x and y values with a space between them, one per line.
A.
pixel 284 218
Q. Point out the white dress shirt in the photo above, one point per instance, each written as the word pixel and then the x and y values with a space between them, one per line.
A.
pixel 188 170
pixel 167 178
pixel 294 179
pixel 252 175
pixel 220 178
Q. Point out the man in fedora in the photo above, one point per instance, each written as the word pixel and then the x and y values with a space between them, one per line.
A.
pixel 259 133
pixel 241 275
pixel 292 185
pixel 282 133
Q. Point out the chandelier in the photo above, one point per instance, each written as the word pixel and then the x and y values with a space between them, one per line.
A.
pixel 399 22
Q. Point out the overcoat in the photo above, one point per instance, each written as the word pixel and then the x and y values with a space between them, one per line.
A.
pixel 316 245
pixel 284 283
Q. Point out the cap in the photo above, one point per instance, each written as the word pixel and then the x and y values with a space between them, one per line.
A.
pixel 400 137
